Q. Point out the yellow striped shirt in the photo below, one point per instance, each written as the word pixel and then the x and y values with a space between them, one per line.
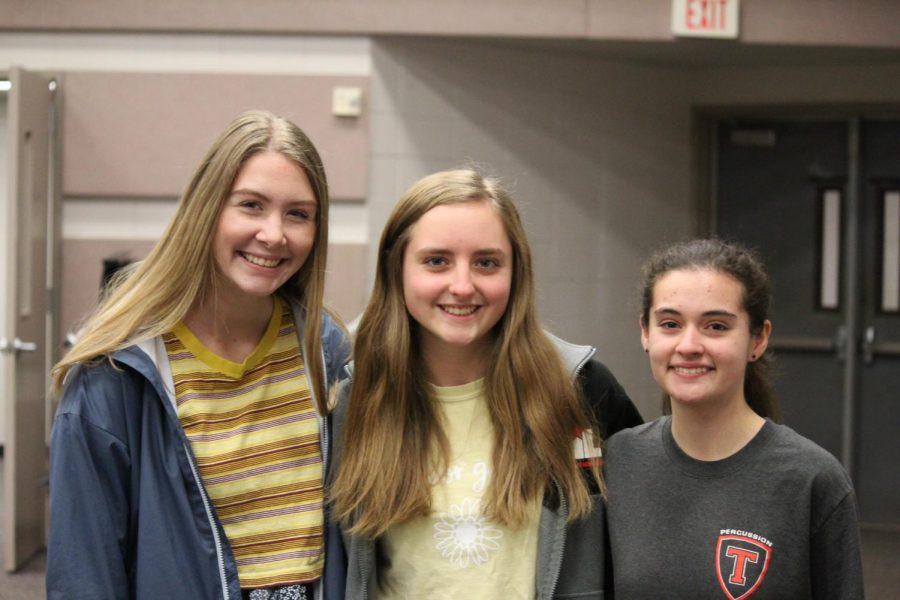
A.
pixel 255 433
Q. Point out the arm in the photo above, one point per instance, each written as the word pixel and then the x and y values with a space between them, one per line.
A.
pixel 89 507
pixel 835 560
pixel 612 407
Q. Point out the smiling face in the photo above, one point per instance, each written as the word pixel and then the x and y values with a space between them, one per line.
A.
pixel 457 274
pixel 266 229
pixel 698 337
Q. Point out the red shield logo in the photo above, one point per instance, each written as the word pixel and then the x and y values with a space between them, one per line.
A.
pixel 741 565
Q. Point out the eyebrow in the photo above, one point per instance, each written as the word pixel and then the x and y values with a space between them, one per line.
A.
pixel 710 313
pixel 481 252
pixel 251 192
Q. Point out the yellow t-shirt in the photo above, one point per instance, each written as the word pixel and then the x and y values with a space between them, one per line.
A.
pixel 455 552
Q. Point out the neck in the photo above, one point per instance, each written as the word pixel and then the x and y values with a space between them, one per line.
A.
pixel 454 365
pixel 712 433
pixel 231 329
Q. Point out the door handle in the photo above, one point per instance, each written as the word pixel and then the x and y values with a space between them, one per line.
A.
pixel 868 345
pixel 16 346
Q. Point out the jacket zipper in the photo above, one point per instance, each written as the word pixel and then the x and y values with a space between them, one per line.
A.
pixel 169 399
pixel 323 443
pixel 362 570
pixel 564 508
pixel 212 524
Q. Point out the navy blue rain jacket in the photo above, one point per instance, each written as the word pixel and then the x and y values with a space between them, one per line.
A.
pixel 129 517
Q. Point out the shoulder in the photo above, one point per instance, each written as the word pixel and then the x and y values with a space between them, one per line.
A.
pixel 610 403
pixel 335 345
pixel 794 452
pixel 102 393
pixel 631 454
pixel 640 437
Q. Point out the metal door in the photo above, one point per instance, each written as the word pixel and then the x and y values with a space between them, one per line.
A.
pixel 820 199
pixel 23 333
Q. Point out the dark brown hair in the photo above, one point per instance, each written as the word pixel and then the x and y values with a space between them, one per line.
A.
pixel 747 268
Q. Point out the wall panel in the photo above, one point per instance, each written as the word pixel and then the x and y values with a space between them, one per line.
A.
pixel 142 134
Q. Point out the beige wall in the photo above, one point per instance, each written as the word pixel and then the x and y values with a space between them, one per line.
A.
pixel 143 134
pixel 871 23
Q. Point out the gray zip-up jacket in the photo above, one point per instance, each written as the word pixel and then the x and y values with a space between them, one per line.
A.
pixel 129 515
pixel 571 557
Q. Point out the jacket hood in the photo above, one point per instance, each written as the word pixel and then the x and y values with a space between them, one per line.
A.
pixel 573 356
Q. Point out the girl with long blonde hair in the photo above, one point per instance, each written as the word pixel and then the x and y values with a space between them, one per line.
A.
pixel 188 450
pixel 469 440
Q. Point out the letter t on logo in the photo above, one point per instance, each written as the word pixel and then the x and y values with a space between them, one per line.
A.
pixel 741 557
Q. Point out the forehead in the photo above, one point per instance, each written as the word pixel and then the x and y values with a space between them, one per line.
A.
pixel 698 289
pixel 466 224
pixel 270 169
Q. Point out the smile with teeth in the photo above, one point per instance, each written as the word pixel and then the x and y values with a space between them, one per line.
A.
pixel 260 261
pixel 459 311
pixel 691 370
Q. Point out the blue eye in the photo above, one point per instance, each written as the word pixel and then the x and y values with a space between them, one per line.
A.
pixel 487 263
pixel 299 214
pixel 435 261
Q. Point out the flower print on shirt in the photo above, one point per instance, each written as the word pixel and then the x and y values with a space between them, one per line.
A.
pixel 464 537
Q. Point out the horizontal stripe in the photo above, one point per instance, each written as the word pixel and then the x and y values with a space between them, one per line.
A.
pixel 275 537
pixel 212 481
pixel 274 491
pixel 211 421
pixel 277 456
pixel 245 429
pixel 268 514
pixel 258 560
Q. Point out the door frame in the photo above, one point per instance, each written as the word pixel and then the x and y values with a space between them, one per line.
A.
pixel 703 189
pixel 19 552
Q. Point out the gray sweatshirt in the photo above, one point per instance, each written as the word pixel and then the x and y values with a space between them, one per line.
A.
pixel 778 519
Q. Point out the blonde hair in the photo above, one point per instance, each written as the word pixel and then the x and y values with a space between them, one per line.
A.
pixel 150 297
pixel 393 441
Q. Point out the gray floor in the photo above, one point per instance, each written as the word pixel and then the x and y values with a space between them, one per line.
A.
pixel 881 567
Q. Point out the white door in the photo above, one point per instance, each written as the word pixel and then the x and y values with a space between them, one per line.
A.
pixel 23 330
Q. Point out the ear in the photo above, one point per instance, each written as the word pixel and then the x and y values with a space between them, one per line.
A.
pixel 761 341
pixel 645 335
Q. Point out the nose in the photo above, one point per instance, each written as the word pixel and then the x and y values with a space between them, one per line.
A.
pixel 462 285
pixel 690 342
pixel 271 231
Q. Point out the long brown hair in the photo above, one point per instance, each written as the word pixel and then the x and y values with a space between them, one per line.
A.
pixel 393 440
pixel 747 268
pixel 152 296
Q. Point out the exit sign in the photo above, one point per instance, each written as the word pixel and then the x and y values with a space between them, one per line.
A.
pixel 705 18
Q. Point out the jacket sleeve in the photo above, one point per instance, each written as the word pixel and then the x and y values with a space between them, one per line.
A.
pixel 335 578
pixel 612 408
pixel 89 499
pixel 835 559
pixel 336 348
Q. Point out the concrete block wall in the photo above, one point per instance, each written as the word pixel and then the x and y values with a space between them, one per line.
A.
pixel 595 152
